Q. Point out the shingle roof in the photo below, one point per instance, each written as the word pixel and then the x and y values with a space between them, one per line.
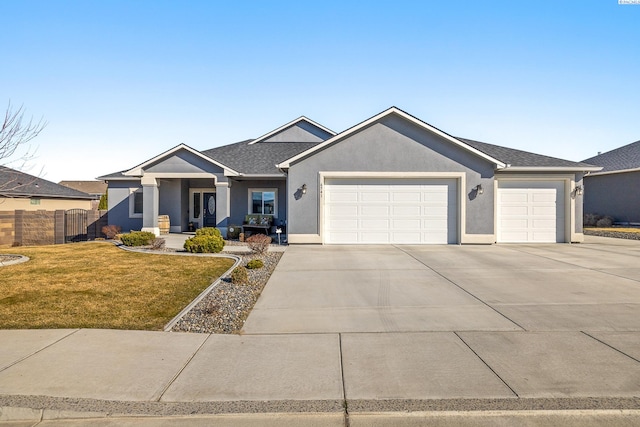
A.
pixel 89 187
pixel 623 158
pixel 257 159
pixel 14 183
pixel 519 158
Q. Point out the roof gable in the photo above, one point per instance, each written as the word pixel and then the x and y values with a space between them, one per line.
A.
pixel 301 129
pixel 623 159
pixel 379 117
pixel 171 158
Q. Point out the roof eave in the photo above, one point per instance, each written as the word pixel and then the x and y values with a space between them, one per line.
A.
pixel 615 172
pixel 393 110
pixel 549 169
pixel 138 170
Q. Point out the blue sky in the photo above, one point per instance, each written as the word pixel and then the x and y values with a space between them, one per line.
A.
pixel 122 81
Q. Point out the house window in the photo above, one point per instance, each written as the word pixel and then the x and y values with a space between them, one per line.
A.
pixel 135 203
pixel 263 201
pixel 35 201
pixel 196 205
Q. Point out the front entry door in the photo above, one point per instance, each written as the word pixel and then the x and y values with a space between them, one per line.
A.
pixel 209 210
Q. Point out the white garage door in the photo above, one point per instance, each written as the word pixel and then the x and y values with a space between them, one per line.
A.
pixel 400 211
pixel 531 211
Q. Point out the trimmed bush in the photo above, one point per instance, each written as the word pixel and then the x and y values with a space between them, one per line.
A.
pixel 258 243
pixel 137 238
pixel 239 276
pixel 208 231
pixel 158 244
pixel 605 221
pixel 208 244
pixel 254 264
pixel 111 231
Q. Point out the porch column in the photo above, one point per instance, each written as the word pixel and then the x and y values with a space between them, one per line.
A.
pixel 150 203
pixel 223 206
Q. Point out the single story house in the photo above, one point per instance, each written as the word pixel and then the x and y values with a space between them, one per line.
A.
pixel 22 191
pixel 391 179
pixel 613 191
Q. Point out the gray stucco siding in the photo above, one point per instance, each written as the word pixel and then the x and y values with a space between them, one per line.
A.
pixel 170 201
pixel 392 145
pixel 300 132
pixel 118 205
pixel 184 162
pixel 615 195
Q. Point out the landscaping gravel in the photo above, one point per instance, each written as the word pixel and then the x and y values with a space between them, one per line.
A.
pixel 225 309
pixel 614 234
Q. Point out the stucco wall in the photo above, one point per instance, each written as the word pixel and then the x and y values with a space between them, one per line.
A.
pixel 615 195
pixel 10 204
pixel 391 145
pixel 170 200
pixel 118 194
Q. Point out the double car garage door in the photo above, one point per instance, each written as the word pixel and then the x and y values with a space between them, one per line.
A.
pixel 425 211
pixel 398 211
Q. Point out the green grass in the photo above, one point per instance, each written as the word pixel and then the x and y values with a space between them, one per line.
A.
pixel 97 285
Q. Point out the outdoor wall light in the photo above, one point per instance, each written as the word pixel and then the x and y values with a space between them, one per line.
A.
pixel 479 189
pixel 578 191
pixel 304 188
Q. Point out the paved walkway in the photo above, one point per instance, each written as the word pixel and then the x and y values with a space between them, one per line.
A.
pixel 490 350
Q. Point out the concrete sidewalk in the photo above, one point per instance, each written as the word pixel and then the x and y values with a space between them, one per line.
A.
pixel 448 335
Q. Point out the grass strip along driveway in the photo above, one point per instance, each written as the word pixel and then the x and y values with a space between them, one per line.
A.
pixel 97 285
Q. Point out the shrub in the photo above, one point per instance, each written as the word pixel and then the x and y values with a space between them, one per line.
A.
pixel 605 221
pixel 204 244
pixel 158 244
pixel 258 243
pixel 137 238
pixel 239 275
pixel 255 263
pixel 111 231
pixel 590 220
pixel 208 231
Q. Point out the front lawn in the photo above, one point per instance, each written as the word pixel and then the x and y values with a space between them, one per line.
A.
pixel 97 285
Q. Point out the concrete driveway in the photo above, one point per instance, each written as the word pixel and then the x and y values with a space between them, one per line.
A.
pixel 593 286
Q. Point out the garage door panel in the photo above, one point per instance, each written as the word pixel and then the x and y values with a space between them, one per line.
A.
pixel 405 210
pixel 531 211
pixel 373 210
pixel 402 211
pixel 370 196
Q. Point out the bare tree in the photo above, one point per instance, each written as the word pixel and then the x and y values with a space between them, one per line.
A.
pixel 15 132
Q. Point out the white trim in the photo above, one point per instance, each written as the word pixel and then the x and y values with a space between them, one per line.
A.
pixel 154 230
pixel 138 170
pixel 549 169
pixel 393 110
pixel 304 239
pixel 577 238
pixel 132 202
pixel 290 124
pixel 479 239
pixel 460 178
pixel 262 190
pixel 615 172
pixel 569 202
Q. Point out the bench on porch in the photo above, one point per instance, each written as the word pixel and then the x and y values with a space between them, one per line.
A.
pixel 259 223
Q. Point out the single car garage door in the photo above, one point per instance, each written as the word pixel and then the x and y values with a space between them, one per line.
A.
pixel 531 211
pixel 398 211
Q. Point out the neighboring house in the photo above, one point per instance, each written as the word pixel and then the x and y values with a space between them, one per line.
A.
pixel 95 188
pixel 613 191
pixel 390 179
pixel 19 190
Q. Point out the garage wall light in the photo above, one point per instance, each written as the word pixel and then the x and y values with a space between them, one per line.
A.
pixel 479 189
pixel 578 191
pixel 304 188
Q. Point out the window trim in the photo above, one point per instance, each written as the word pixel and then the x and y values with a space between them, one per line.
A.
pixel 262 190
pixel 132 202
